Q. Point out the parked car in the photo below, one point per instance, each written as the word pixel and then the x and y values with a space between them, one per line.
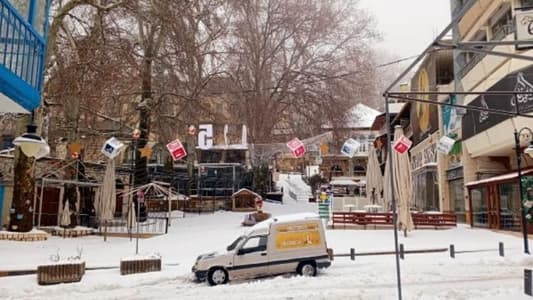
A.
pixel 285 244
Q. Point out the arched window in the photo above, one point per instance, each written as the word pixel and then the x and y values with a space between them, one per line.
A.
pixel 336 170
pixel 359 170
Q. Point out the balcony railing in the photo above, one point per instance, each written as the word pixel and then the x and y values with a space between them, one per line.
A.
pixel 22 55
pixel 498 35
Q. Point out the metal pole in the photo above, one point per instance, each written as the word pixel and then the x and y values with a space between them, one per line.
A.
pixel 138 204
pixel 41 204
pixel 391 182
pixel 520 188
pixel 466 7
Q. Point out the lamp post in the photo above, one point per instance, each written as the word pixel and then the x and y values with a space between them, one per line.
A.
pixel 31 146
pixel 136 135
pixel 529 151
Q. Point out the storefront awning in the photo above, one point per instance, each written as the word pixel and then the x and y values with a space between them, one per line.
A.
pixel 499 178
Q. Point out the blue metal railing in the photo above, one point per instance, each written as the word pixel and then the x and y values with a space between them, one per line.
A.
pixel 22 57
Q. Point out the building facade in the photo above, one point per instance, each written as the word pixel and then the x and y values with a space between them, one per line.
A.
pixel 488 159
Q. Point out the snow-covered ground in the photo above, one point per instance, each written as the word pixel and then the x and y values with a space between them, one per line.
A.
pixel 473 275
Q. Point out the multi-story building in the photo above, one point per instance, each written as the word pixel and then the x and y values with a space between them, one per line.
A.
pixel 488 162
pixel 433 75
pixel 357 126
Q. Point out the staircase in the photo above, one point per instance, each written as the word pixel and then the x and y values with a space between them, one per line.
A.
pixel 22 53
pixel 294 188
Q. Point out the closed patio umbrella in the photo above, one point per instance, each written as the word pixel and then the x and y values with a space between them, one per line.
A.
pixel 403 186
pixel 374 179
pixel 131 222
pixel 105 201
pixel 65 216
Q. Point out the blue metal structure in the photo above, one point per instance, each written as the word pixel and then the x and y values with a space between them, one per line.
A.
pixel 23 50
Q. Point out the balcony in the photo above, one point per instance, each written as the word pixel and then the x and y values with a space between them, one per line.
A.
pixel 22 56
pixel 498 34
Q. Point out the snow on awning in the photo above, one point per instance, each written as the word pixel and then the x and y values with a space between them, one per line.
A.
pixel 503 177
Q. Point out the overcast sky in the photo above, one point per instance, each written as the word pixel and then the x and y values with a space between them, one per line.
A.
pixel 408 26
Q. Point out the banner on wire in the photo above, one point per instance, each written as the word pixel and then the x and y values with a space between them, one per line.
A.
pixel 350 147
pixel 112 147
pixel 402 144
pixel 445 145
pixel 176 149
pixel 297 147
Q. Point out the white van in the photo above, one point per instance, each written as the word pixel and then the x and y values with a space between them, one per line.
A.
pixel 285 244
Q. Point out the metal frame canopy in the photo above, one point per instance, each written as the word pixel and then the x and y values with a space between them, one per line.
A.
pixel 439 44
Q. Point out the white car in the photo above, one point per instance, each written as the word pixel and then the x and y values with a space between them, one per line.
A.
pixel 285 244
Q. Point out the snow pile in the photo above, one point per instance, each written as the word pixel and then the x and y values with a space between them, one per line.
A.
pixel 471 275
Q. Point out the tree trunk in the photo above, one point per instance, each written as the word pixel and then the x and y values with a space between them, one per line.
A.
pixel 21 213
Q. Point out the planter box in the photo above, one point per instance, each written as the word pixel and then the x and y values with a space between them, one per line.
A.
pixel 60 273
pixel 141 265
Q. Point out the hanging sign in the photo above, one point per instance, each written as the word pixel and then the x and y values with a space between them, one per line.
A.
pixel 350 147
pixel 297 147
pixel 176 149
pixel 402 144
pixel 445 145
pixel 112 147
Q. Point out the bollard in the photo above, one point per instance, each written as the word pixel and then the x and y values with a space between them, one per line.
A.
pixel 166 225
pixel 352 253
pixel 527 282
pixel 401 251
pixel 452 251
pixel 502 254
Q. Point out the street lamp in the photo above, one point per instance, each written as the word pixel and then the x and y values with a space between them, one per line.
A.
pixel 528 151
pixel 31 144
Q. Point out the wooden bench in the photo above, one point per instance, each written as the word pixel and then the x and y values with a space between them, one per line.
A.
pixel 141 265
pixel 434 220
pixel 359 218
pixel 60 273
pixel 385 219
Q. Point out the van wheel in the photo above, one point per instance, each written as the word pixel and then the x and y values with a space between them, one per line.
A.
pixel 217 276
pixel 307 268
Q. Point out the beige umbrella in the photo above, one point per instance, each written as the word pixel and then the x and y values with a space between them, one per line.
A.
pixel 374 179
pixel 387 193
pixel 403 186
pixel 131 222
pixel 65 216
pixel 105 201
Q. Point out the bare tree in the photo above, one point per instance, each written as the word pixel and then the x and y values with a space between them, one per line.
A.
pixel 287 52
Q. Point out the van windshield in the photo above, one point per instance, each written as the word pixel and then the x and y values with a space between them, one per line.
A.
pixel 235 243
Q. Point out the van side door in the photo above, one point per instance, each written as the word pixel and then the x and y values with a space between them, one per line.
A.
pixel 251 260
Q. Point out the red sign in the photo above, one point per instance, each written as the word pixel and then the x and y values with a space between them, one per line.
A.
pixel 402 144
pixel 297 147
pixel 176 149
pixel 140 196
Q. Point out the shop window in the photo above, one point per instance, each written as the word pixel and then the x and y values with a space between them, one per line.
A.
pixel 457 199
pixel 509 206
pixel 479 207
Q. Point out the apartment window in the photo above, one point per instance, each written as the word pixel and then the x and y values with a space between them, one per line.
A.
pixel 526 3
pixel 7 142
pixel 501 24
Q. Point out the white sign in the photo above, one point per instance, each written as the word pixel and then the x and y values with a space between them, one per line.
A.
pixel 205 136
pixel 112 147
pixel 350 147
pixel 445 145
pixel 524 28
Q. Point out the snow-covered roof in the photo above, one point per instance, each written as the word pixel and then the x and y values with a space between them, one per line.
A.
pixel 361 116
pixel 246 190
